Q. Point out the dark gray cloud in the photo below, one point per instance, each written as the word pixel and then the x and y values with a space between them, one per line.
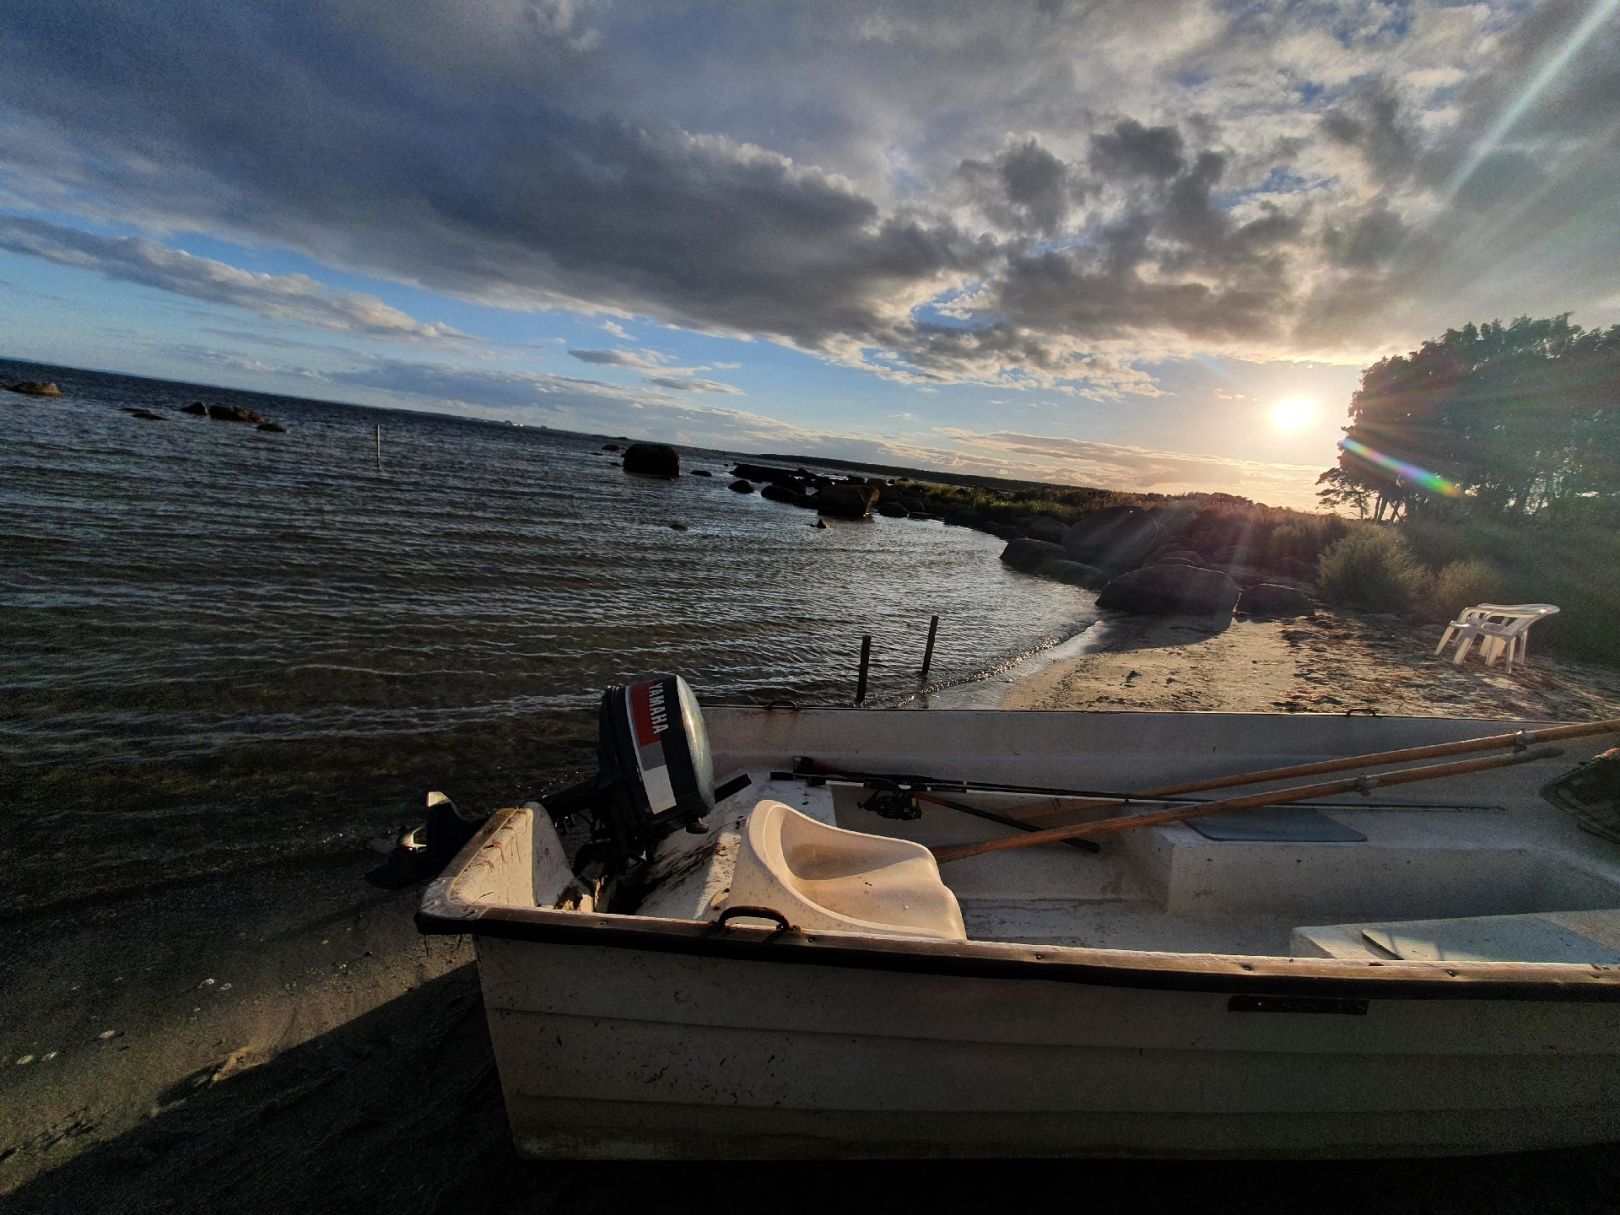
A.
pixel 1025 188
pixel 1165 178
pixel 1374 125
pixel 1133 150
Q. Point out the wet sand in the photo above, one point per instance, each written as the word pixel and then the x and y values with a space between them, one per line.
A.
pixel 282 1040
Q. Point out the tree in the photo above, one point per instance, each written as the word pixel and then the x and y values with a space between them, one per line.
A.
pixel 1340 489
pixel 1518 419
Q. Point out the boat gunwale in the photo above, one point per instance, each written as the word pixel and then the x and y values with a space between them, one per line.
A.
pixel 443 913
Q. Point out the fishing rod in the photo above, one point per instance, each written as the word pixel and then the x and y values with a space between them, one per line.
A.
pixel 1101 797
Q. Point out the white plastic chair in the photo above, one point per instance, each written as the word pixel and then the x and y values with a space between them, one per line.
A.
pixel 1502 629
pixel 1467 621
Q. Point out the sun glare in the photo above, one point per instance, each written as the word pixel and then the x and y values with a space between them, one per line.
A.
pixel 1293 413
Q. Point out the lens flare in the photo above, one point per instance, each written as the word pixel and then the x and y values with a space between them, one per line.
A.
pixel 1431 481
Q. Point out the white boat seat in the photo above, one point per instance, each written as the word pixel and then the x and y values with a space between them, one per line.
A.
pixel 821 877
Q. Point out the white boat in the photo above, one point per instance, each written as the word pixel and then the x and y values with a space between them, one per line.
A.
pixel 1429 969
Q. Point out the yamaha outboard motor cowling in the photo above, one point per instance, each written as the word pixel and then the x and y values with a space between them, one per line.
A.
pixel 655 772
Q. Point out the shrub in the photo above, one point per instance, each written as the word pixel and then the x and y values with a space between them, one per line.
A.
pixel 1437 542
pixel 1304 537
pixel 1459 585
pixel 1372 569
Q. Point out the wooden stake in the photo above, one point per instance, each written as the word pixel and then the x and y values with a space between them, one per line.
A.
pixel 928 650
pixel 860 677
pixel 1252 801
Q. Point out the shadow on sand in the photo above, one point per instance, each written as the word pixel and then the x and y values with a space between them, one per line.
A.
pixel 399 1112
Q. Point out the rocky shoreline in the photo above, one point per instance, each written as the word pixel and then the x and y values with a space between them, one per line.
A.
pixel 1139 560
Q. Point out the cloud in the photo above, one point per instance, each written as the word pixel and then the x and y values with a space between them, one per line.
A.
pixel 594 406
pixel 1133 150
pixel 1078 190
pixel 1121 466
pixel 1025 187
pixel 693 384
pixel 661 373
pixel 1372 124
pixel 642 360
pixel 286 297
pixel 573 403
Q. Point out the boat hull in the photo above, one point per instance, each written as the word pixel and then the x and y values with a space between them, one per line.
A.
pixel 618 1052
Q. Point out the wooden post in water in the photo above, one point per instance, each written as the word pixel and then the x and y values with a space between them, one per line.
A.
pixel 379 444
pixel 866 660
pixel 928 650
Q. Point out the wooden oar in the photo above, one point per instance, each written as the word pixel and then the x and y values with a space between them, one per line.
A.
pixel 934 799
pixel 1490 742
pixel 1035 811
pixel 1252 801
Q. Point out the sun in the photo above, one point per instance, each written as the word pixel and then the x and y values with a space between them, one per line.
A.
pixel 1293 413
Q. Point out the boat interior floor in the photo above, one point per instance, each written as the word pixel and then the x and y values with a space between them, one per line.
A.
pixel 1415 880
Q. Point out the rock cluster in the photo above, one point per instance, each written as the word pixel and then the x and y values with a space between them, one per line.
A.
pixel 841 498
pixel 32 388
pixel 226 413
pixel 1138 560
pixel 1138 563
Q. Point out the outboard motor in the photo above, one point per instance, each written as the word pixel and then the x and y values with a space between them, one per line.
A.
pixel 655 772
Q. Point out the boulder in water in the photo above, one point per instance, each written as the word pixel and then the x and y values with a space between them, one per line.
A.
pixel 764 472
pixel 701 472
pixel 145 415
pixel 963 518
pixel 1046 528
pixel 891 508
pixel 275 428
pixel 610 447
pixel 226 413
pixel 652 460
pixel 1030 555
pixel 784 493
pixel 739 486
pixel 845 501
pixel 1075 573
pixel 1169 590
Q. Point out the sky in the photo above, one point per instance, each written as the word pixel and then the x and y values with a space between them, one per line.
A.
pixel 1143 246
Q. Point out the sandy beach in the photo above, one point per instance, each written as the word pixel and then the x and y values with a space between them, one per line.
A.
pixel 1322 663
pixel 284 1040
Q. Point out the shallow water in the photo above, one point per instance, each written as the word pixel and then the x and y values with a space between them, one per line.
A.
pixel 219 642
